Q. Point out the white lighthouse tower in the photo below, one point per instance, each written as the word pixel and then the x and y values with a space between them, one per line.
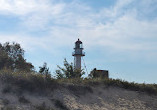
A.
pixel 78 53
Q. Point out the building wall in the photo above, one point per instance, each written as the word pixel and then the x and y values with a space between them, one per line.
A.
pixel 101 74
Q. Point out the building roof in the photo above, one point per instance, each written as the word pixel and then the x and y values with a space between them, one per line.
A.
pixel 78 41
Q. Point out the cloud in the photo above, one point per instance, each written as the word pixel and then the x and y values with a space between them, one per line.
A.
pixel 18 7
pixel 123 27
pixel 26 7
pixel 33 13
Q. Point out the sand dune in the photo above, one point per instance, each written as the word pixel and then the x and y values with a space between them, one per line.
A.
pixel 71 97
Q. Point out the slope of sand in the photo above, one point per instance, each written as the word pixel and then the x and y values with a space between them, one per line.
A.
pixel 72 97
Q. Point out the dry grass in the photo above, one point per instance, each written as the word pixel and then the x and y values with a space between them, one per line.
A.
pixel 31 82
pixel 141 87
pixel 22 99
pixel 34 82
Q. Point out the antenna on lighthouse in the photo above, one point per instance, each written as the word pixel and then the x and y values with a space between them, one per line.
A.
pixel 85 66
pixel 78 53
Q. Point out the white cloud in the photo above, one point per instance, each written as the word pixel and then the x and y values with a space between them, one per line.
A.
pixel 119 27
pixel 34 13
pixel 25 7
pixel 19 7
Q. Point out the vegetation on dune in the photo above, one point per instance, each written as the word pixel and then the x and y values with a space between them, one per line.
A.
pixel 31 82
pixel 148 88
pixel 34 82
pixel 68 71
pixel 12 57
pixel 22 99
pixel 60 105
pixel 44 70
pixel 14 70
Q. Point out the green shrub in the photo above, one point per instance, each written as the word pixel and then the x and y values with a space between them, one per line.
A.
pixel 68 71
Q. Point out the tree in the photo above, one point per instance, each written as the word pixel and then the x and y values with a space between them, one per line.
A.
pixel 5 61
pixel 68 71
pixel 14 50
pixel 45 71
pixel 21 64
pixel 12 57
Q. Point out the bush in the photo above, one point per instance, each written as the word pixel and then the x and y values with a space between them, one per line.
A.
pixel 68 71
pixel 31 82
pixel 60 105
pixel 35 83
pixel 43 107
pixel 6 89
pixel 6 101
pixel 12 57
pixel 148 88
pixel 80 90
pixel 22 99
pixel 44 70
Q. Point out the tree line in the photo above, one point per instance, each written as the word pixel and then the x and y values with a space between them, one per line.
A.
pixel 12 58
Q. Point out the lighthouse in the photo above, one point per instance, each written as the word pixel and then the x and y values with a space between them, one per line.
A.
pixel 78 53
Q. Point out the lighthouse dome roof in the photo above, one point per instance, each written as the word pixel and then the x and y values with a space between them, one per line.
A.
pixel 78 41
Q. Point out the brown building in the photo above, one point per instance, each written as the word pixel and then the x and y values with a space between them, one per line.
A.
pixel 99 73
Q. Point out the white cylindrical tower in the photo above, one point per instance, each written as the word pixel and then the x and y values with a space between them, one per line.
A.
pixel 78 53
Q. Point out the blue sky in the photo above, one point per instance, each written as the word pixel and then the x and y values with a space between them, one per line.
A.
pixel 118 35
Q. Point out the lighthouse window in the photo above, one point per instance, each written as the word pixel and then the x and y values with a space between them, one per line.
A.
pixel 81 46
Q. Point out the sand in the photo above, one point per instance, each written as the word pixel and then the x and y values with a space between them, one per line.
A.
pixel 97 98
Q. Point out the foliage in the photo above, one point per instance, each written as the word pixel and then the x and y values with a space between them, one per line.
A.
pixel 7 89
pixel 43 107
pixel 45 71
pixel 5 101
pixel 12 57
pixel 60 105
pixel 147 88
pixel 68 71
pixel 32 82
pixel 80 89
pixel 22 99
